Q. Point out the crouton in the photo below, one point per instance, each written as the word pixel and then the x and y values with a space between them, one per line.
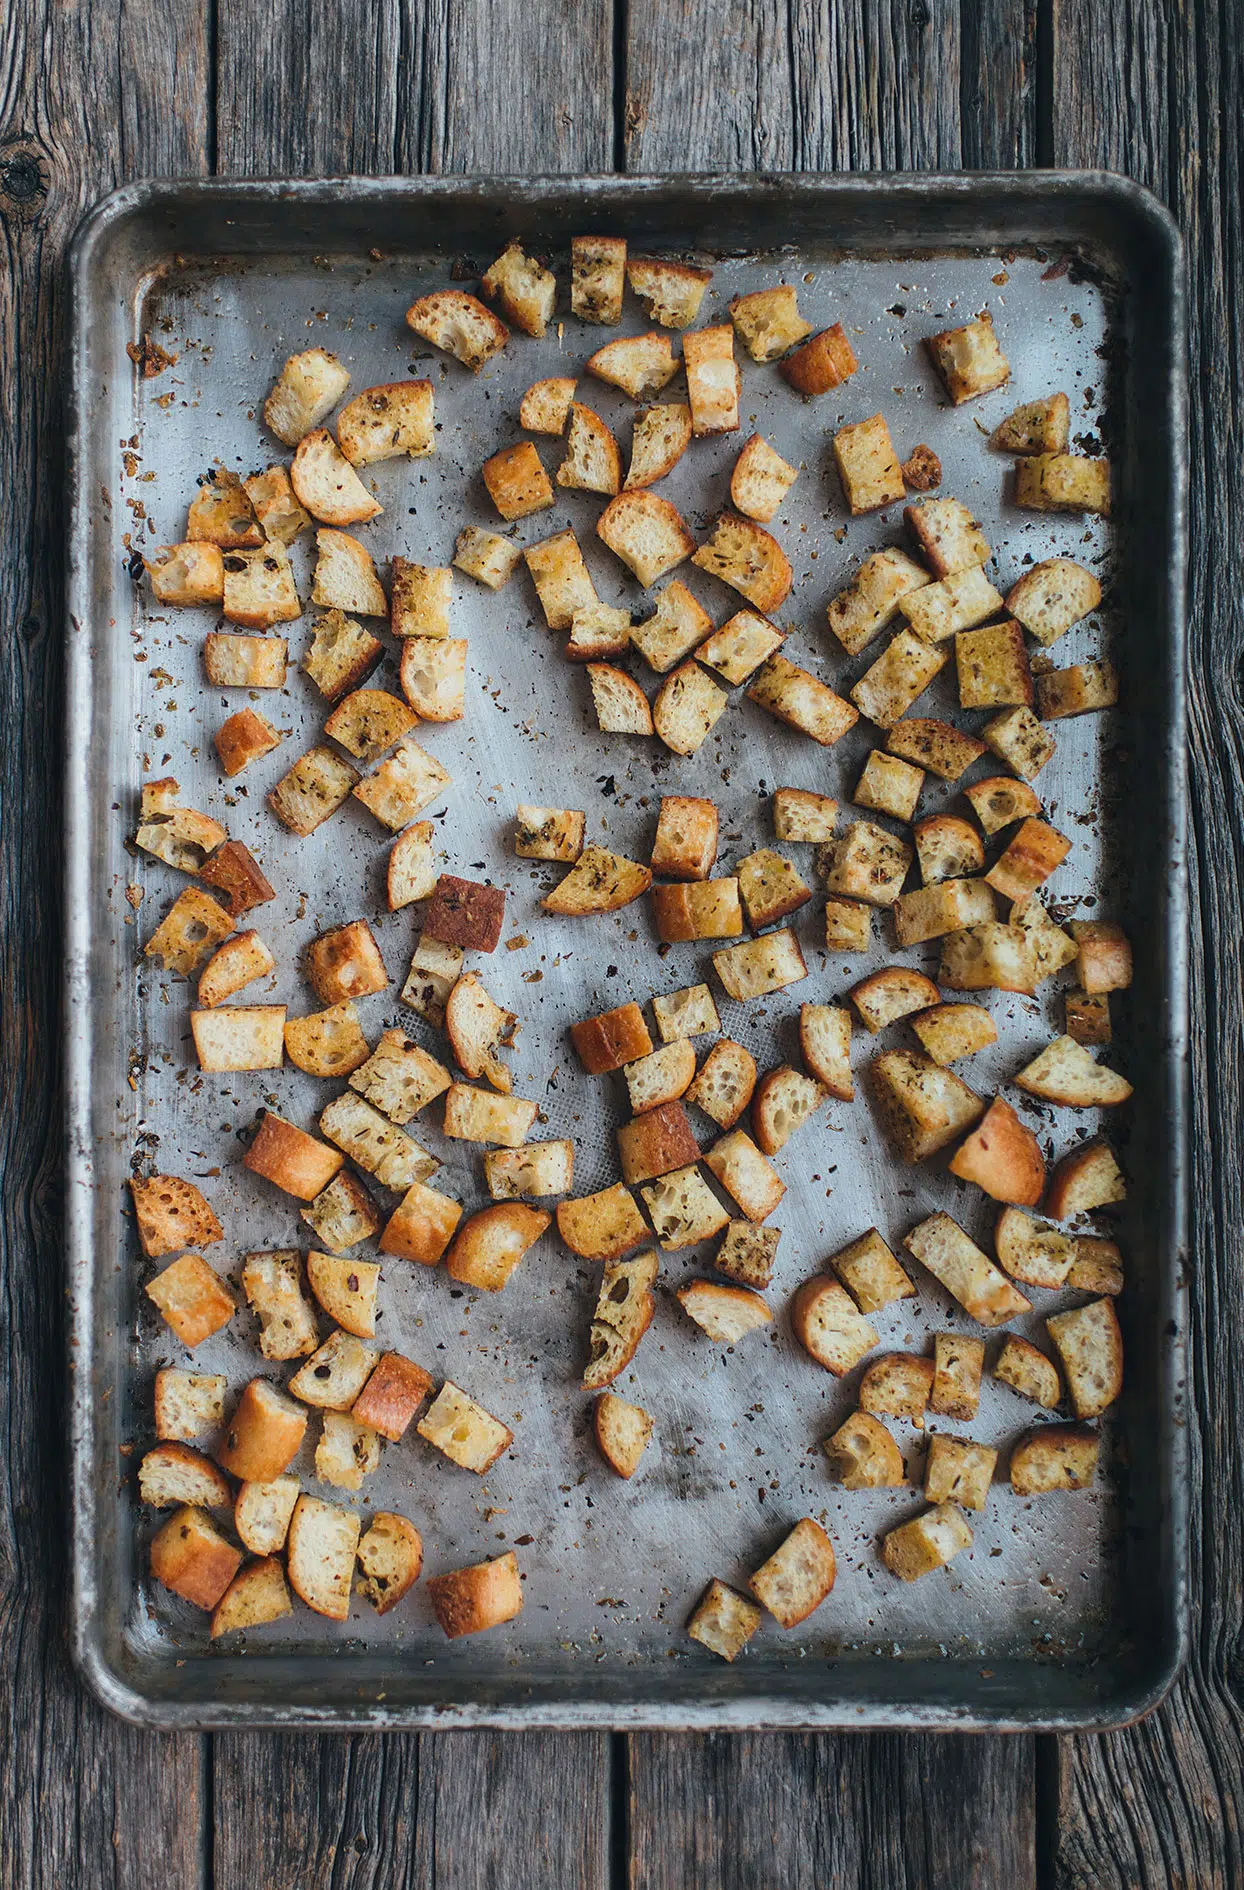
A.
pixel 323 1539
pixel 761 966
pixel 345 1288
pixel 723 1621
pixel 656 1143
pixel 950 1031
pixel 421 598
pixel 1086 1018
pixel 948 536
pixel 392 1395
pixel 993 667
pixel 262 1514
pixel 1090 1346
pixel 341 1215
pixel 646 533
pixel 1078 690
pixel 239 662
pixel 189 932
pixel 242 738
pixel 968 1275
pixel 686 708
pixel 745 1174
pixel 236 877
pixel 1003 1157
pixel 935 911
pixel 258 588
pixel 893 992
pixel 401 787
pixel 597 278
pixel 600 882
pixel 871 1273
pixel 256 1596
pixel 829 1326
pixel 801 701
pixel 660 1077
pixel 548 833
pixel 488 558
pixel 170 1214
pixel 421 1226
pixel 889 785
pixel 770 888
pixel 934 746
pixel 999 802
pixel 290 1158
pixel 724 1086
pixel 798 1576
pixel 989 957
pixel 1063 482
pixel 1067 1073
pixel 659 438
pixel 685 846
pixel 747 558
pixel 1028 1371
pixel 486 1248
pixel 922 1106
pixel 927 1542
pixel 1055 1457
pixel 345 580
pixel 867 465
pixel 328 1042
pixel 712 380
pixel 602 1226
pixel 868 863
pixel 345 962
pixel 173 1474
pixel 327 486
pixel 937 612
pixel 1104 955
pixel 724 1313
pixel 533 1172
pixel 466 913
pixel 188 1406
pixel 333 1376
pixel 738 648
pixel 872 599
pixel 516 481
pixel 305 393
pixel 460 324
pixel 611 1039
pixel 747 1253
pixel 1031 1251
pixel 683 1209
pixel 1053 596
pixel 902 672
pixel 1053 948
pixel 848 925
pixel 390 422
pixel 687 1013
pixel 897 1385
pixel 390 1555
pixel 180 836
pixel 957 1366
pixel 957 1471
pixel 1031 856
pixel 768 321
pixel 524 288
pixel 624 1309
pixel 434 971
pixel 411 874
pixel 620 705
pixel 342 655
pixel 824 362
pixel 347 1451
pixel 278 511
pixel 561 578
pixel 475 1115
pixel 478 1028
pixel 969 359
pixel 671 292
pixel 1038 426
pixel 799 814
pixel 947 848
pixel 863 1455
pixel 191 1299
pixel 190 1557
pixel 400 1077
pixel 187 574
pixel 593 462
pixel 239 1037
pixel 264 1434
pixel 783 1101
pixel 470 1600
pixel 377 1145
pixel 433 677
pixel 825 1045
pixel 272 1282
pixel 639 365
pixel 676 626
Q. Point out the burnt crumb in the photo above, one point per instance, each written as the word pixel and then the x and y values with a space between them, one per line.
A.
pixel 897 308
pixel 462 269
pixel 149 357
pixel 134 565
pixel 607 784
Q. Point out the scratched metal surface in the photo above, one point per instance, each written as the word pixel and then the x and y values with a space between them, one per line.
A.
pixel 611 1569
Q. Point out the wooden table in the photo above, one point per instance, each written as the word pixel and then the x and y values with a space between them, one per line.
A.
pixel 95 92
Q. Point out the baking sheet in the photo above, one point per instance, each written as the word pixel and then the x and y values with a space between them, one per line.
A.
pixel 1041 1605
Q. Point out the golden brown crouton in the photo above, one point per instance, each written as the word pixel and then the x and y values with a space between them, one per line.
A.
pixel 485 556
pixel 993 667
pixel 747 558
pixel 602 1226
pixel 969 359
pixel 802 701
pixel 237 662
pixel 190 1557
pixel 925 1543
pixel 824 362
pixel 889 785
pixel 957 1471
pixel 345 962
pixel 723 1621
pixel 761 966
pixel 1055 1457
pixel 1003 1157
pixel 172 1213
pixel 1063 482
pixel 1038 426
pixel 725 1313
pixel 264 1435
pixel 863 1455
pixel 613 1038
pixel 968 1275
pixel 597 278
pixel 825 1045
pixel 723 1088
pixel 242 738
pixel 659 438
pixel 867 465
pixel 871 1273
pixel 671 292
pixel 948 536
pixel 546 405
pixel 798 1576
pixel 686 708
pixel 593 462
pixel 470 1600
pixel 345 576
pixel 1053 596
pixel 656 1143
pixel 390 422
pixel 923 1107
pixel 421 1226
pixel 947 848
pixel 291 1159
pixel 902 672
pixel 958 1362
pixel 745 1174
pixel 516 481
pixel 871 601
pixel 897 1385
pixel 624 1309
pixel 486 1248
pixel 1090 1345
pixel 460 324
pixel 934 746
pixel 524 288
pixel 712 380
pixel 622 1432
pixel 600 882
pixel 308 388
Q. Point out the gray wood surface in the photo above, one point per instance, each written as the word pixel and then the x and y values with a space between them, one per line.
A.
pixel 95 91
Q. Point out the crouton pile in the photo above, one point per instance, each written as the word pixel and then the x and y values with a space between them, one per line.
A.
pixel 699 1145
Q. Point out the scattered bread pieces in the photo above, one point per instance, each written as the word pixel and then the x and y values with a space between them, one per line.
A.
pixel 968 1275
pixel 670 292
pixel 798 1576
pixel 463 1431
pixel 724 1313
pixel 723 1621
pixel 459 324
pixel 1003 1157
pixel 624 1309
pixel 308 388
pixel 969 359
pixel 623 1432
pixel 1090 1345
pixel 926 1543
pixel 1054 1457
pixel 470 1600
pixel 749 559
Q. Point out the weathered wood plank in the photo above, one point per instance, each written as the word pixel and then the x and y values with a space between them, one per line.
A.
pixel 1157 95
pixel 998 85
pixel 90 92
pixel 513 1813
pixel 304 89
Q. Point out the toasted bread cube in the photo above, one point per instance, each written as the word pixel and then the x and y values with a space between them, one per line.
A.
pixel 392 1395
pixel 221 514
pixel 925 1543
pixel 671 292
pixel 683 1209
pixel 893 992
pixel 868 864
pixel 1052 597
pixel 463 1431
pixel 602 1226
pixel 187 574
pixel 989 957
pixel 561 578
pixel 686 708
pixel 433 677
pixel 345 1288
pixel 516 481
pixel 1065 1072
pixel 798 1576
pixel 723 1088
pixel 1063 482
pixel 957 1471
pixel 863 1455
pixel 239 662
pixel 1031 856
pixel 190 1557
pixel 872 599
pixel 897 1385
pixel 957 1366
pixel 798 814
pixel 1028 1371
pixel 327 486
pixel 761 966
pixel 1055 1457
pixel 478 1029
pixel 889 786
pixel 272 1283
pixel 687 1013
pixel 724 1313
pixel 548 833
pixel 180 836
pixel 923 1106
pixel 825 1045
pixel 400 1077
pixel 1085 1178
pixel 940 611
pixel 620 704
pixel 1053 947
pixel 598 278
pixel 686 838
pixel 747 1253
pixel 308 388
pixel 783 1101
pixel 1090 1345
pixel 262 1514
pixel 712 380
pixel 524 288
pixel 345 576
pixel 173 1474
pixel 264 1435
pixel 600 882
pixel 466 913
pixel 1003 1157
pixel 328 1042
pixel 867 465
pixel 334 1375
pixel 646 533
pixel 770 888
pixel 935 911
pixel 934 746
pixel 188 1406
pixel 401 787
pixel 191 1299
pixel 322 1542
pixel 848 925
pixel 656 1143
pixel 969 359
pixel 242 738
pixel 638 364
pixel 749 559
pixel 993 666
pixel 659 438
pixel 968 1275
pixel 676 626
pixel 390 422
pixel 723 1621
pixel 341 1215
pixel 488 1247
pixel 188 934
pixel 422 595
pixel 1032 1252
pixel 593 462
pixel 745 1174
pixel 276 508
pixel 660 1077
pixel 1105 955
pixel 472 1599
pixel 950 1031
pixel 948 536
pixel 800 700
pixel 342 655
pixel 460 324
pixel 345 962
pixel 1038 426
pixel 239 1037
pixel 412 873
pixel 999 802
pixel 824 362
pixel 768 321
pixel 1076 691
pixel 434 970
pixel 829 1326
pixel 622 1431
pixel 235 875
pixel 871 1273
pixel 947 848
pixel 421 1226
pixel 346 1452
pixel 391 1557
pixel 738 649
pixel 377 1145
pixel 1086 1016
pixel 760 480
pixel 533 1172
pixel 312 790
pixel 474 1115
pixel 485 556
pixel 290 1158
pixel 611 1039
pixel 704 909
pixel 902 672
pixel 171 1213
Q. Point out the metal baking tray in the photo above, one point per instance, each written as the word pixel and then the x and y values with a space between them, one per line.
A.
pixel 1066 1614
